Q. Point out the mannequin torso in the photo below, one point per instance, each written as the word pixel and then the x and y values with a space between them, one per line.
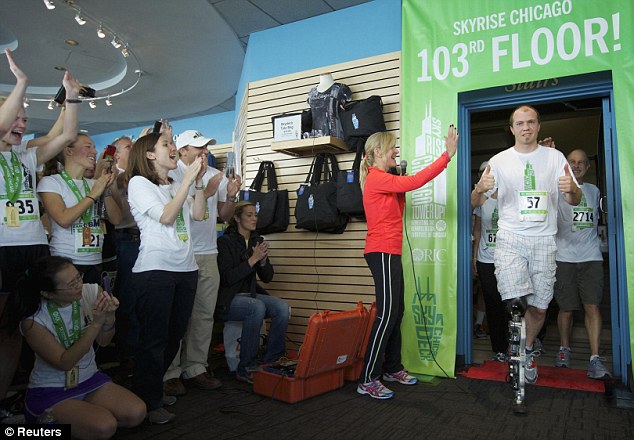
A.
pixel 325 82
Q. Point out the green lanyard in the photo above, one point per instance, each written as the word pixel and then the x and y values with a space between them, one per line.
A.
pixel 60 328
pixel 179 225
pixel 12 176
pixel 87 215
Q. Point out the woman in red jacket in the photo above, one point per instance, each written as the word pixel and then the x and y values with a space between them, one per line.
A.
pixel 384 203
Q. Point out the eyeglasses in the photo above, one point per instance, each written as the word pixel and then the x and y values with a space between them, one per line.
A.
pixel 75 283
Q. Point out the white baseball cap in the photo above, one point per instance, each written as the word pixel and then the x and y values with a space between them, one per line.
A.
pixel 194 138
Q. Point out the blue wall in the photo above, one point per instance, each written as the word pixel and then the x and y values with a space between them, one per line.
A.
pixel 218 126
pixel 361 31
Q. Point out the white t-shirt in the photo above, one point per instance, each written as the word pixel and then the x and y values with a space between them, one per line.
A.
pixel 45 374
pixel 30 230
pixel 488 229
pixel 528 211
pixel 577 238
pixel 204 232
pixel 69 242
pixel 161 248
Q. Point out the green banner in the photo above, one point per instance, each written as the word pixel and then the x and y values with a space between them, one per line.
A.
pixel 456 46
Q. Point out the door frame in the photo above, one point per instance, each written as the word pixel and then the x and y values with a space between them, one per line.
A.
pixel 597 85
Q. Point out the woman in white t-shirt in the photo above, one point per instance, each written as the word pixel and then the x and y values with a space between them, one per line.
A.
pixel 73 202
pixel 165 274
pixel 61 318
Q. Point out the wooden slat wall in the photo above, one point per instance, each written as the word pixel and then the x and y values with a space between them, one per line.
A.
pixel 314 272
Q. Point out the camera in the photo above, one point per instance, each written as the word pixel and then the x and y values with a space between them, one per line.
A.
pixel 230 170
pixel 84 92
pixel 157 127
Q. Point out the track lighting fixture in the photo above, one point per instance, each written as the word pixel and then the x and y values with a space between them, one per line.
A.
pixel 26 103
pixel 115 42
pixel 80 20
pixel 92 104
pixel 49 4
pixel 51 105
pixel 124 51
pixel 100 32
pixel 108 101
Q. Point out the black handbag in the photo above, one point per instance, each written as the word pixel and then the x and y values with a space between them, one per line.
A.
pixel 272 206
pixel 316 207
pixel 349 194
pixel 360 119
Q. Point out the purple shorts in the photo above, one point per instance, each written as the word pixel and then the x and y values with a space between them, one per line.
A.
pixel 38 400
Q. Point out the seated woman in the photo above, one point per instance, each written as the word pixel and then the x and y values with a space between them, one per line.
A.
pixel 242 253
pixel 61 318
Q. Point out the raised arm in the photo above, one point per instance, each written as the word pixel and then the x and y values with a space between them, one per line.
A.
pixel 71 122
pixel 13 103
pixel 55 131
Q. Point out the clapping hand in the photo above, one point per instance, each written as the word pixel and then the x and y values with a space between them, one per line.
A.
pixel 104 309
pixel 17 72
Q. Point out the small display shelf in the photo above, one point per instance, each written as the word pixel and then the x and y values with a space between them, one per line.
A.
pixel 310 146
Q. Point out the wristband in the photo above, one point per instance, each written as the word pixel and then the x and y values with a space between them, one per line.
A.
pixel 73 101
pixel 199 188
pixel 91 198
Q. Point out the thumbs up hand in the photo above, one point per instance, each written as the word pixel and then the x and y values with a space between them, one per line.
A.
pixel 486 182
pixel 566 184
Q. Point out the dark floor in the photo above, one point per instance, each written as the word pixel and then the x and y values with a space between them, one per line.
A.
pixel 444 409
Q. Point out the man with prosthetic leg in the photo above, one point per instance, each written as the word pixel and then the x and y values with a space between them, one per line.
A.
pixel 529 179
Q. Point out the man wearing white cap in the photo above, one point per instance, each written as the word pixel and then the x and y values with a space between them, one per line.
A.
pixel 221 193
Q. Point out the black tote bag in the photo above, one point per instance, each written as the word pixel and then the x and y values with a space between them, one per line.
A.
pixel 349 195
pixel 360 119
pixel 272 206
pixel 316 207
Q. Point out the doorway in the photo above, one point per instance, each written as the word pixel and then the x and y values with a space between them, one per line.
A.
pixel 576 113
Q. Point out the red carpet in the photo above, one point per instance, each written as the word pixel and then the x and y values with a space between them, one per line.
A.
pixel 548 376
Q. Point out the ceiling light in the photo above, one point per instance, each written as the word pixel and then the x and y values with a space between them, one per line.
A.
pixel 116 43
pixel 124 51
pixel 108 101
pixel 80 20
pixel 100 32
pixel 49 4
pixel 92 104
pixel 26 102
pixel 50 105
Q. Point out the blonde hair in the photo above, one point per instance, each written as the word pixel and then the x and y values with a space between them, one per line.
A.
pixel 382 140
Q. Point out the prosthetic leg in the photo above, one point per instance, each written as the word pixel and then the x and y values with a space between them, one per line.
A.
pixel 517 351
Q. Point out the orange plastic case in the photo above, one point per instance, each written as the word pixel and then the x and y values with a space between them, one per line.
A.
pixel 331 344
pixel 352 372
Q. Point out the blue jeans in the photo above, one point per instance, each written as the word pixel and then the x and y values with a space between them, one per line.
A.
pixel 252 311
pixel 127 322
